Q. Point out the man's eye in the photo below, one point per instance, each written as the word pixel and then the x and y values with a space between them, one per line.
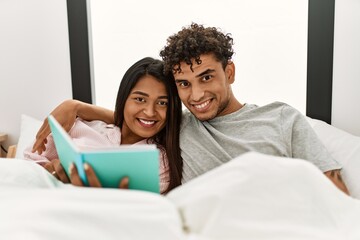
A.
pixel 207 77
pixel 183 84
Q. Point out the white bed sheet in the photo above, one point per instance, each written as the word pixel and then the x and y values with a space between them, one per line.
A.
pixel 257 196
pixel 34 205
pixel 252 197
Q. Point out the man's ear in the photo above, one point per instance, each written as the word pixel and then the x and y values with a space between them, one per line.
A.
pixel 230 72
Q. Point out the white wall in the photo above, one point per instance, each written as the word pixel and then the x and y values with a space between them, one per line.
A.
pixel 270 42
pixel 346 72
pixel 34 60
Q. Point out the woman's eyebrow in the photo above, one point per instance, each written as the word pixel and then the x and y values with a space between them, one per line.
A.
pixel 147 95
pixel 140 93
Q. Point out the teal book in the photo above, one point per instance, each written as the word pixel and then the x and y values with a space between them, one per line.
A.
pixel 140 162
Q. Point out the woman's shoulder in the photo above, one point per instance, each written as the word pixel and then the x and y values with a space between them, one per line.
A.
pixel 96 130
pixel 96 125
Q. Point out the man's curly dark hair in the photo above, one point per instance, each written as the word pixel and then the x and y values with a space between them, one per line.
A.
pixel 193 41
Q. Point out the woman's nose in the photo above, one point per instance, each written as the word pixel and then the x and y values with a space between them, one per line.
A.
pixel 149 110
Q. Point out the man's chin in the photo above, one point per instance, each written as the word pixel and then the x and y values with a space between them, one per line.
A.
pixel 203 116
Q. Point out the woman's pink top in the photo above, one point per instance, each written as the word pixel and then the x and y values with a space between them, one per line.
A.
pixel 92 135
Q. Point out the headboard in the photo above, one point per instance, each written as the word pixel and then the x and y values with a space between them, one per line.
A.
pixel 320 51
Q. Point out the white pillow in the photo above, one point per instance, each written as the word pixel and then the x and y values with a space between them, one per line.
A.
pixel 28 129
pixel 345 148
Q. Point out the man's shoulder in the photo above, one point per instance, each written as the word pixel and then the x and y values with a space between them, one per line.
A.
pixel 249 110
pixel 279 107
pixel 265 109
pixel 277 104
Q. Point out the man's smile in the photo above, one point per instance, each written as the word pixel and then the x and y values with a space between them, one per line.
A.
pixel 202 106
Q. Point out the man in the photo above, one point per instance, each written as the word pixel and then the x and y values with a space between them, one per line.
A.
pixel 217 127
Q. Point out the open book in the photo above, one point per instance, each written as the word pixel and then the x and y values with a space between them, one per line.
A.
pixel 140 163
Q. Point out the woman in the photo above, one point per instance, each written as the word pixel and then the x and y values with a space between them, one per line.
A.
pixel 148 110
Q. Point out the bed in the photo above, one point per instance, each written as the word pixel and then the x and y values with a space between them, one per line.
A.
pixel 254 196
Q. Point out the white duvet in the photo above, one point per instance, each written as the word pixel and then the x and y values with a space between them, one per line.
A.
pixel 252 197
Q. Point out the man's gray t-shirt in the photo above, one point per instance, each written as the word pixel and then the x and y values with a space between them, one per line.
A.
pixel 275 129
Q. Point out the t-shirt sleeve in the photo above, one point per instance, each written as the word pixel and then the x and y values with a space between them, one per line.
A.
pixel 305 144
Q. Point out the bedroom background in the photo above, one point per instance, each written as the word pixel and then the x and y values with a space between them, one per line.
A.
pixel 271 44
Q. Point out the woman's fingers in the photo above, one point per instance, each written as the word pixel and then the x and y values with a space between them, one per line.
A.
pixel 91 176
pixel 89 172
pixel 55 168
pixel 124 183
pixel 60 172
pixel 49 167
pixel 74 176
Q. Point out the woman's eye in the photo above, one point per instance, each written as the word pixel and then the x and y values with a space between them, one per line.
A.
pixel 163 103
pixel 139 99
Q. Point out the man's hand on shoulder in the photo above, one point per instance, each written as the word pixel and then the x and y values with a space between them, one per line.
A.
pixel 65 114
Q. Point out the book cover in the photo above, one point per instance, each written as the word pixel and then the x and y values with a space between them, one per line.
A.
pixel 140 163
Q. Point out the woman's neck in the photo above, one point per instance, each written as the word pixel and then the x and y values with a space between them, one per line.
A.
pixel 128 137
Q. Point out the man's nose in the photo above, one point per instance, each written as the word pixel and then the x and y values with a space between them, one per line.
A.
pixel 197 93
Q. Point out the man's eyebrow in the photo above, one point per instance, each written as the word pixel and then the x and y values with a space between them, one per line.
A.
pixel 147 95
pixel 207 71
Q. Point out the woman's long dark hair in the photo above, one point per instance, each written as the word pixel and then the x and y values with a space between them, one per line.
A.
pixel 168 137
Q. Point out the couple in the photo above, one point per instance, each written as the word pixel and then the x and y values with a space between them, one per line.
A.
pixel 217 127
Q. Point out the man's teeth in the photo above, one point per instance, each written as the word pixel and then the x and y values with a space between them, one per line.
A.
pixel 202 105
pixel 146 122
